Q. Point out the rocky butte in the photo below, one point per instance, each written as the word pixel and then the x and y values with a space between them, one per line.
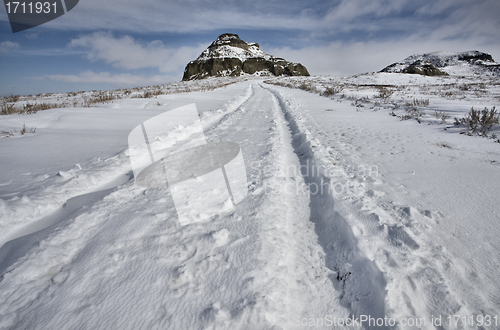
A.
pixel 231 56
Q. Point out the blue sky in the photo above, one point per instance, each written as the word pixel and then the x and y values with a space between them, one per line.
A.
pixel 114 44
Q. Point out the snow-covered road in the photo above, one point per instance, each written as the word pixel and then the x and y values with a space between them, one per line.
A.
pixel 348 214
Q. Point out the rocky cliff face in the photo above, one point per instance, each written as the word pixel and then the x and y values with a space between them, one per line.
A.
pixel 445 63
pixel 231 56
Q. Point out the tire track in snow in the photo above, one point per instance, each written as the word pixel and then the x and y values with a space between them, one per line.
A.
pixel 290 278
pixel 211 119
pixel 288 235
pixel 361 282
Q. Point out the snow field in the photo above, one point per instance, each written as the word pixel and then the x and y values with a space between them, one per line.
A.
pixel 399 219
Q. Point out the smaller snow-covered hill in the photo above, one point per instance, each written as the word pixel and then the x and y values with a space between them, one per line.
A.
pixel 447 63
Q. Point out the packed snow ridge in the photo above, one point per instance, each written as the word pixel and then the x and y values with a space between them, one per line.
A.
pixel 447 63
pixel 231 56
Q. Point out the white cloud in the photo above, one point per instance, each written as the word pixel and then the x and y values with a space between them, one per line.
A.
pixel 127 53
pixel 184 15
pixel 350 9
pixel 317 17
pixel 7 47
pixel 118 80
pixel 328 19
pixel 31 35
pixel 479 22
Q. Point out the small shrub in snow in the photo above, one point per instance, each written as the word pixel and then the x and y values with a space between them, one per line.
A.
pixel 420 102
pixel 307 87
pixel 7 134
pixel 25 130
pixel 332 90
pixel 358 104
pixel 479 121
pixel 100 97
pixel 441 115
pixel 147 94
pixel 384 93
pixel 413 113
pixel 12 98
pixel 32 108
pixel 152 93
pixel 8 109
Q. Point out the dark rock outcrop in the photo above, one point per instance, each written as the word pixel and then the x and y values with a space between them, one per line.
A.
pixel 424 69
pixel 231 56
pixel 443 63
